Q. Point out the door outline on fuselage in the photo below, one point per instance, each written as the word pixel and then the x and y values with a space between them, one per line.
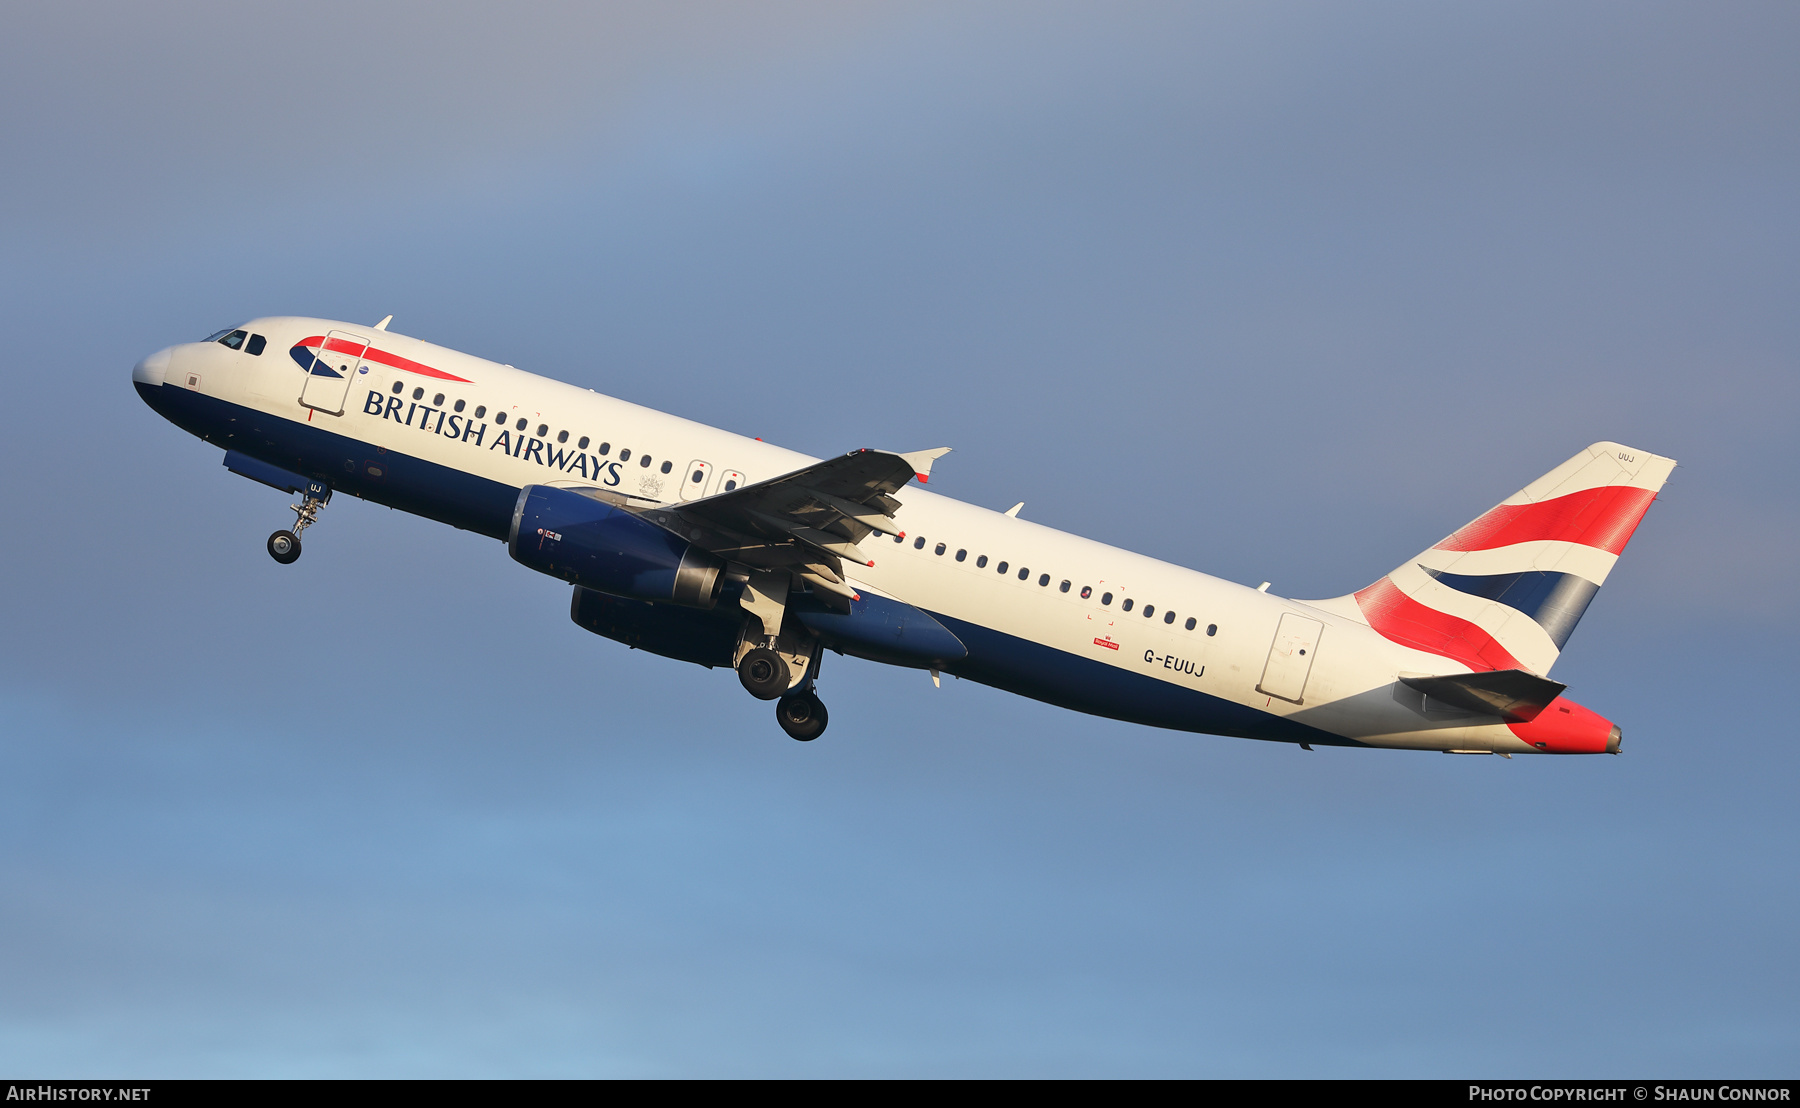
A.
pixel 327 388
pixel 1291 657
pixel 692 489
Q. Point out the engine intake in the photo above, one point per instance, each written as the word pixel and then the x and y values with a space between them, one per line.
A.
pixel 591 543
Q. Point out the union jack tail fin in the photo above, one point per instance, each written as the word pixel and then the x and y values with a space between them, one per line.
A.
pixel 1505 590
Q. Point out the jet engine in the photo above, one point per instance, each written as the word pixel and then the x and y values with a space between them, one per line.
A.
pixel 590 543
pixel 704 638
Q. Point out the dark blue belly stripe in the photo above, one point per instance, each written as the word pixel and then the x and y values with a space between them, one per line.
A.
pixel 348 465
pixel 477 504
pixel 1087 685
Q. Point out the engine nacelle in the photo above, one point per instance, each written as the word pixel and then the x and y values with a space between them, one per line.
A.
pixel 704 638
pixel 591 543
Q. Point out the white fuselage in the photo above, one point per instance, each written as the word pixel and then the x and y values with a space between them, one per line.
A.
pixel 1084 600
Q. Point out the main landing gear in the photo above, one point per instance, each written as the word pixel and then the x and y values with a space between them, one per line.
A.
pixel 767 675
pixel 284 546
pixel 802 715
pixel 764 673
pixel 771 651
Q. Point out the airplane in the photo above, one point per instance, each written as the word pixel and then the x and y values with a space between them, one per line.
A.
pixel 709 547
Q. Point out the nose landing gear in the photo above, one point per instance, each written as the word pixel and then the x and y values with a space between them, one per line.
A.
pixel 284 546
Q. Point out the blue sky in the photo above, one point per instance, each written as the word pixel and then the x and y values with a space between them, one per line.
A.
pixel 1278 291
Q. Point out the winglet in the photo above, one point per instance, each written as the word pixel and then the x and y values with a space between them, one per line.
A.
pixel 921 461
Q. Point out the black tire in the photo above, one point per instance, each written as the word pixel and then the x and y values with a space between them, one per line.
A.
pixel 765 674
pixel 802 716
pixel 284 547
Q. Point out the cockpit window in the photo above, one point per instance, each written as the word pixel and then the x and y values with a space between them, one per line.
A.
pixel 217 335
pixel 235 339
pixel 255 345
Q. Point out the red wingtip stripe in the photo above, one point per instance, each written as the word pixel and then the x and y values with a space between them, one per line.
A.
pixel 923 477
pixel 1603 518
pixel 1399 618
pixel 395 361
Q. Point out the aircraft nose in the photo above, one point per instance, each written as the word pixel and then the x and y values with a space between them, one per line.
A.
pixel 153 369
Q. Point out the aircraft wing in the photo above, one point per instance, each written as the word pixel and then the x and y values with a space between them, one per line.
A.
pixel 810 521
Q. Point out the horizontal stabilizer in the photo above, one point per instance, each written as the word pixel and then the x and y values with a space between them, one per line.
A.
pixel 1512 694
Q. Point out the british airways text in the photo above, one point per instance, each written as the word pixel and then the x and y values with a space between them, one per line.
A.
pixel 437 421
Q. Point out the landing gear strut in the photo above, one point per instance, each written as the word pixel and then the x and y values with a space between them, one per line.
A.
pixel 767 661
pixel 284 546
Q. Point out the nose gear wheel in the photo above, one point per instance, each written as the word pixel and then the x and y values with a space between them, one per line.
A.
pixel 284 546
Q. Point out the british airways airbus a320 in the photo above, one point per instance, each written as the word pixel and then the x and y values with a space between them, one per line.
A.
pixel 708 547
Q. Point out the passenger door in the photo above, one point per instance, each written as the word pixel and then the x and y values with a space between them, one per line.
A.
pixel 1290 657
pixel 333 368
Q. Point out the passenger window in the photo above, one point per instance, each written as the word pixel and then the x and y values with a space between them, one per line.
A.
pixel 1212 629
pixel 981 562
pixel 1127 604
pixel 582 445
pixel 624 453
pixel 901 537
pixel 667 466
pixel 1024 573
pixel 1045 580
pixel 438 400
pixel 255 345
pixel 459 405
pixel 940 550
pixel 699 476
pixel 1168 617
pixel 418 394
pixel 919 543
pixel 605 447
pixel 499 417
pixel 397 387
pixel 519 426
pixel 1001 568
pixel 481 411
pixel 1087 591
pixel 1149 610
pixel 1190 623
pixel 562 436
pixel 235 339
pixel 1064 587
pixel 729 485
pixel 644 461
pixel 543 430
pixel 961 554
pixel 1105 599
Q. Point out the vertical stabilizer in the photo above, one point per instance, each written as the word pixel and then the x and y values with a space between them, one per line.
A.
pixel 1506 590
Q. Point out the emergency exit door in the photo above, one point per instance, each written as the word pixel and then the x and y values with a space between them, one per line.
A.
pixel 333 368
pixel 1290 657
pixel 693 486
